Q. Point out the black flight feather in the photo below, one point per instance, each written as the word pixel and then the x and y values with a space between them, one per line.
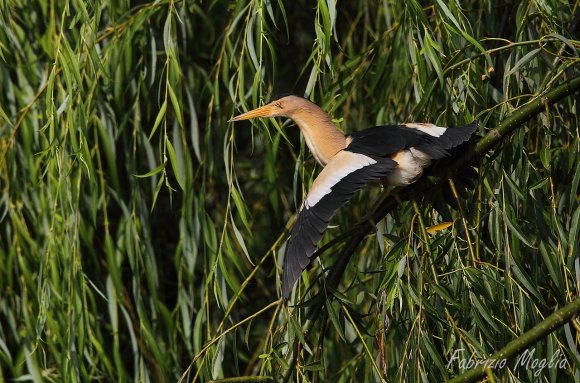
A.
pixel 313 220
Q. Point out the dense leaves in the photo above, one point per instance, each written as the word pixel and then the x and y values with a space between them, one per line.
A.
pixel 141 235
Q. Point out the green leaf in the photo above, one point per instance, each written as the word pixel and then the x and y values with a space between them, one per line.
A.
pixel 174 163
pixel 152 172
pixel 524 279
pixel 333 315
pixel 429 49
pixel 175 104
pixel 515 229
pixel 159 118
pixel 314 366
pixel 523 61
pixel 241 242
pixel 5 117
pixel 240 206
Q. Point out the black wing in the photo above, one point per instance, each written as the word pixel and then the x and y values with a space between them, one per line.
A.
pixel 387 139
pixel 443 138
pixel 435 141
pixel 346 173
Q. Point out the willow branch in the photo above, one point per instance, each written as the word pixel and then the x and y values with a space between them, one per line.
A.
pixel 424 185
pixel 513 348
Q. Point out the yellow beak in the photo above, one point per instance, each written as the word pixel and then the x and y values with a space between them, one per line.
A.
pixel 263 111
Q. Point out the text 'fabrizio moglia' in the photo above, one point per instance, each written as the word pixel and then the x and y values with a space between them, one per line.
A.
pixel 527 360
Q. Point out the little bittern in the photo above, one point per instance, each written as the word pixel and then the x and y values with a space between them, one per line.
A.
pixel 396 154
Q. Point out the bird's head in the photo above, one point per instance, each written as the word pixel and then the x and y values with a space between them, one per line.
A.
pixel 288 106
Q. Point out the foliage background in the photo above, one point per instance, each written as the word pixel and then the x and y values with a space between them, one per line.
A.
pixel 137 225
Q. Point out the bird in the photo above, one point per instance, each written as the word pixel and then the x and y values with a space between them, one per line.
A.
pixel 394 154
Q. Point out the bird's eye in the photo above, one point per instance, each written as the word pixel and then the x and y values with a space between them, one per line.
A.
pixel 279 105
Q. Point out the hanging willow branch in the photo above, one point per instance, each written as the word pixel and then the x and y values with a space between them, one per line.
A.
pixel 424 185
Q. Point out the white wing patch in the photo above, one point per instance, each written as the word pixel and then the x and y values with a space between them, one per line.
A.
pixel 430 129
pixel 340 166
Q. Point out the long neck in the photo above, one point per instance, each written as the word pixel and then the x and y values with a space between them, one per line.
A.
pixel 320 134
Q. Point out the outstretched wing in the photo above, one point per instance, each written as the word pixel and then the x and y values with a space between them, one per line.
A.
pixel 443 138
pixel 346 173
pixel 434 141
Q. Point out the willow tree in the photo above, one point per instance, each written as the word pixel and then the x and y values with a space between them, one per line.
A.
pixel 142 236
